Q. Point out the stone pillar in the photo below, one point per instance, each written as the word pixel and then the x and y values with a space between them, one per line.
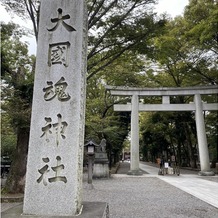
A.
pixel 202 139
pixel 55 156
pixel 134 160
pixel 90 171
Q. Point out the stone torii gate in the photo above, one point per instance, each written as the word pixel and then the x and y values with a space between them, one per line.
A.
pixel 165 92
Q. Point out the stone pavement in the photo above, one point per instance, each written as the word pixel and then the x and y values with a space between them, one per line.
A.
pixel 198 186
pixel 154 196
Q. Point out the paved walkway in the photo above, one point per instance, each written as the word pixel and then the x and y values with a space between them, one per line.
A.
pixel 193 184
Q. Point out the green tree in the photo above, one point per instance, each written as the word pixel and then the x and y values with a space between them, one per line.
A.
pixel 8 136
pixel 185 54
pixel 201 17
pixel 17 84
pixel 168 134
pixel 188 47
pixel 114 27
pixel 211 121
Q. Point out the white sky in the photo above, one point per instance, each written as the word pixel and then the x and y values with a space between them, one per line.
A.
pixel 31 39
pixel 172 7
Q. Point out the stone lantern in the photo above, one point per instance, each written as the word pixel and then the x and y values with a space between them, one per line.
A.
pixel 90 149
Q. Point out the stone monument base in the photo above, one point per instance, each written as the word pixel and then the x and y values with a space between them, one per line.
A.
pixel 135 172
pixel 206 173
pixel 90 210
pixel 101 170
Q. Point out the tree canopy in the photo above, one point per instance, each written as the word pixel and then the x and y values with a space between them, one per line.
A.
pixel 114 27
pixel 17 89
pixel 185 54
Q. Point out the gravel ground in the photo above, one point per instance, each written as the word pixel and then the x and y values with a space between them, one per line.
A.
pixel 143 197
pixel 147 198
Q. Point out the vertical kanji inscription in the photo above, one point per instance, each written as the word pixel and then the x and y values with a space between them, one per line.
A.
pixel 56 130
pixel 57 90
pixel 60 20
pixel 58 53
pixel 57 169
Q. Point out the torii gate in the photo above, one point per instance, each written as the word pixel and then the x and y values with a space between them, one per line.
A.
pixel 135 107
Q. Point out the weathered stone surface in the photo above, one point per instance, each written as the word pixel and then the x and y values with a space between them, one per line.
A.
pixel 101 170
pixel 206 173
pixel 55 158
pixel 101 156
pixel 101 167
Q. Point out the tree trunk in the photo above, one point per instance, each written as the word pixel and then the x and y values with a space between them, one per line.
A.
pixel 178 154
pixel 190 147
pixel 16 179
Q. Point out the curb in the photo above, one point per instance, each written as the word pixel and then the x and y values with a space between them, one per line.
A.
pixel 11 199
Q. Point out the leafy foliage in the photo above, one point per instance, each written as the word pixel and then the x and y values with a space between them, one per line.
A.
pixel 17 89
pixel 114 27
pixel 8 137
pixel 16 75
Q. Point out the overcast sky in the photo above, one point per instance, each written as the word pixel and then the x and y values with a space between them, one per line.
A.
pixel 172 7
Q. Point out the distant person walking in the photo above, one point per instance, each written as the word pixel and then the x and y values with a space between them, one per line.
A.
pixel 161 162
pixel 161 170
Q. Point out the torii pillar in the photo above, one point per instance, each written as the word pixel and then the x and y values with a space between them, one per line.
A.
pixel 134 161
pixel 202 139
